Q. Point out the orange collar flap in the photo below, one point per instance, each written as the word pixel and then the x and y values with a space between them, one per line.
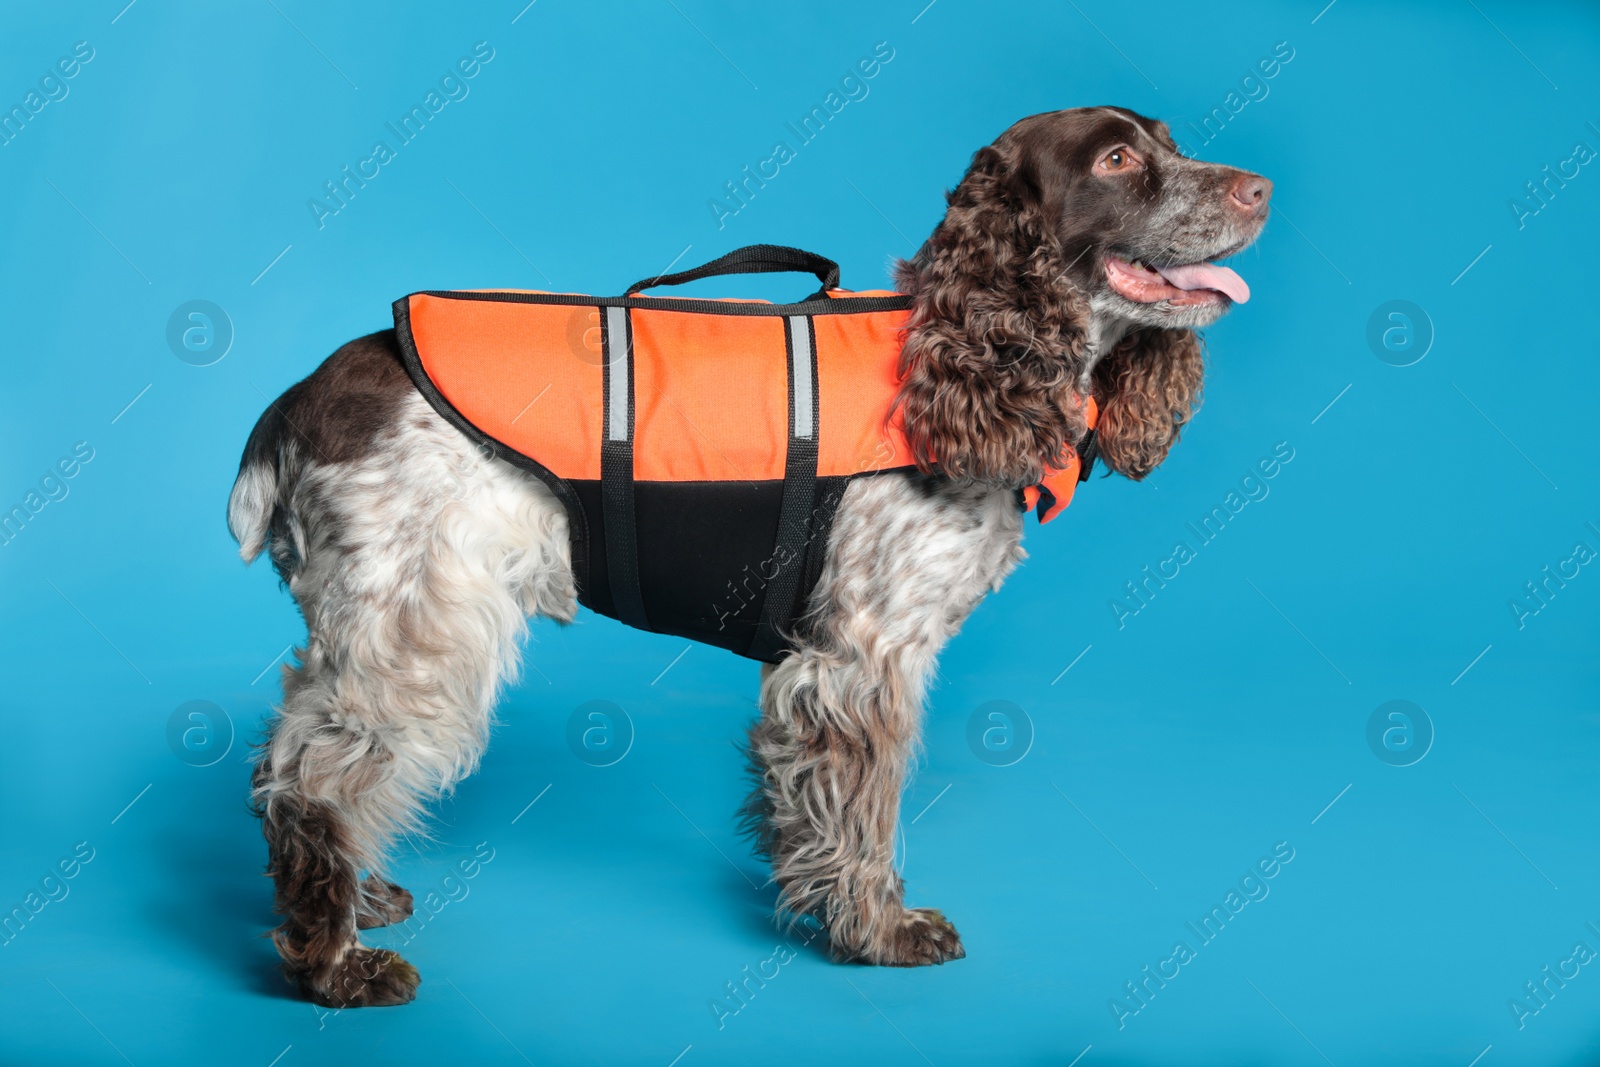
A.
pixel 1052 495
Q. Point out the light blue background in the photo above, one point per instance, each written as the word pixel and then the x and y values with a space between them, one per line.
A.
pixel 1220 720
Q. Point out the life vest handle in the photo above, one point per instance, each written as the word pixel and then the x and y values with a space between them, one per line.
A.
pixel 752 259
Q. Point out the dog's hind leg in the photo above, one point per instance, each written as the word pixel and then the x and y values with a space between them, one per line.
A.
pixel 416 569
pixel 841 716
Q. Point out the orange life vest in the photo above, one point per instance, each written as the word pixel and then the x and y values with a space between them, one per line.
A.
pixel 700 446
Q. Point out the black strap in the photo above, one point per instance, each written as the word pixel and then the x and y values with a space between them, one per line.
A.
pixel 1088 449
pixel 753 259
pixel 830 492
pixel 799 493
pixel 616 469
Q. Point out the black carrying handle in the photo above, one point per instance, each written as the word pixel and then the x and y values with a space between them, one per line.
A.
pixel 753 259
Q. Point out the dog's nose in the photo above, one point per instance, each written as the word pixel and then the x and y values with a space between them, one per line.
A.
pixel 1251 193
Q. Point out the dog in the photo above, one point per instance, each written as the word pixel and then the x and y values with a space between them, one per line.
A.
pixel 1074 260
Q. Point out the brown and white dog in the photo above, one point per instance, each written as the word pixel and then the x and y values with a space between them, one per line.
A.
pixel 1074 259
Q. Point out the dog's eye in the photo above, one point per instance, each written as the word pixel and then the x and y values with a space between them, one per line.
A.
pixel 1119 159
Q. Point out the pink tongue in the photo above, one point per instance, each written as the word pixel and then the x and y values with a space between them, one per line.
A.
pixel 1208 276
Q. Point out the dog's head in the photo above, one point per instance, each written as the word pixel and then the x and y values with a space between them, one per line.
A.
pixel 1139 224
pixel 1077 255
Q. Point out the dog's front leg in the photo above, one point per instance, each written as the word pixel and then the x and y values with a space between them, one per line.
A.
pixel 908 560
pixel 831 750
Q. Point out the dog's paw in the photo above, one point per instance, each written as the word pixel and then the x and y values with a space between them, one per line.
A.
pixel 383 904
pixel 917 938
pixel 923 936
pixel 364 978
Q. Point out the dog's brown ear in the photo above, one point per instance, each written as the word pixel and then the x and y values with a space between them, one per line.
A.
pixel 995 342
pixel 1147 389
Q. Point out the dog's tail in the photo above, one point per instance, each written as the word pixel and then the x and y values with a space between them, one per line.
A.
pixel 254 503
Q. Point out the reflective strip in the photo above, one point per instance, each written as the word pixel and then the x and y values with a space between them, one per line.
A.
pixel 800 374
pixel 619 353
pixel 617 515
